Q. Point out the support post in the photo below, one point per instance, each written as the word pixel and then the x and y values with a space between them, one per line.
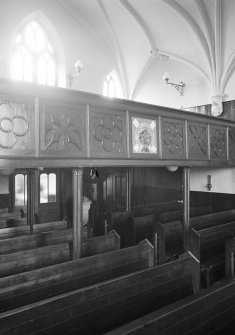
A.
pixel 30 199
pixel 186 198
pixel 77 212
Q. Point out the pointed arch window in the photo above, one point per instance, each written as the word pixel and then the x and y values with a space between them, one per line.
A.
pixel 112 87
pixel 34 58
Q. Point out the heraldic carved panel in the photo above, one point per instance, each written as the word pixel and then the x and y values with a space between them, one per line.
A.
pixel 144 136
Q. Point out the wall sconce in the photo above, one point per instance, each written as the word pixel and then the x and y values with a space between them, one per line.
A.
pixel 172 168
pixel 71 76
pixel 209 185
pixel 179 87
pixel 93 173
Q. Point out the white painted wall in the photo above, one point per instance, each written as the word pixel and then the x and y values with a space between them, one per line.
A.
pixel 222 180
pixel 76 41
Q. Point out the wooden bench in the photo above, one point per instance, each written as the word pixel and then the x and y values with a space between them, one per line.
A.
pixel 157 208
pixel 170 234
pixel 18 290
pixel 53 249
pixel 96 308
pixel 145 226
pixel 13 222
pixel 208 246
pixel 25 230
pixel 178 214
pixel 209 312
pixel 229 258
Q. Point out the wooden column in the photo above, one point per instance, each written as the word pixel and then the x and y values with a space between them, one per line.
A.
pixel 186 199
pixel 77 212
pixel 30 198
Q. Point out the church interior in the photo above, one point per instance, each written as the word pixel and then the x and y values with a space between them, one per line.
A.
pixel 117 167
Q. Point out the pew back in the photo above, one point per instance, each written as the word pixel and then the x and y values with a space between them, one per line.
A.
pixel 210 312
pixel 25 230
pixel 98 308
pixel 170 234
pixel 28 287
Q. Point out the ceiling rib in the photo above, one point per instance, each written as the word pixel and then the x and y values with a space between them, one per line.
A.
pixel 122 63
pixel 209 37
pixel 192 23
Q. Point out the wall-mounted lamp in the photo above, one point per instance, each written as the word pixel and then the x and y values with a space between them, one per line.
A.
pixel 172 168
pixel 209 184
pixel 71 76
pixel 93 173
pixel 179 87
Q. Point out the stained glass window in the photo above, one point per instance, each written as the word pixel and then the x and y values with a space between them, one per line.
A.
pixel 33 58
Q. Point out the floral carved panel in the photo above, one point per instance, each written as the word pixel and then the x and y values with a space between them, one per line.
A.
pixel 197 141
pixel 232 143
pixel 63 130
pixel 15 126
pixel 173 136
pixel 108 133
pixel 218 142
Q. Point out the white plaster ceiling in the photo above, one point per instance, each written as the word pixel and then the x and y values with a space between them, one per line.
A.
pixel 196 33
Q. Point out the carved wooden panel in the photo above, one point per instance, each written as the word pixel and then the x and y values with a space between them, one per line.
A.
pixel 16 127
pixel 107 133
pixel 232 143
pixel 218 142
pixel 197 141
pixel 63 130
pixel 173 139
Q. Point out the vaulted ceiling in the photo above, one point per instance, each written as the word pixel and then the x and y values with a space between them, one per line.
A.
pixel 138 34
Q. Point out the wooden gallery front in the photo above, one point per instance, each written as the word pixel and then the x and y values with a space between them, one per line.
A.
pixel 98 226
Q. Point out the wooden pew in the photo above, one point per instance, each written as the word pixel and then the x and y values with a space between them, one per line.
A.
pixel 229 258
pixel 157 208
pixel 28 287
pixel 209 312
pixel 144 226
pixel 208 246
pixel 13 222
pixel 170 234
pixel 178 214
pixel 25 230
pixel 96 308
pixel 32 259
pixel 91 246
pixel 10 215
pixel 53 249
pixel 122 223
